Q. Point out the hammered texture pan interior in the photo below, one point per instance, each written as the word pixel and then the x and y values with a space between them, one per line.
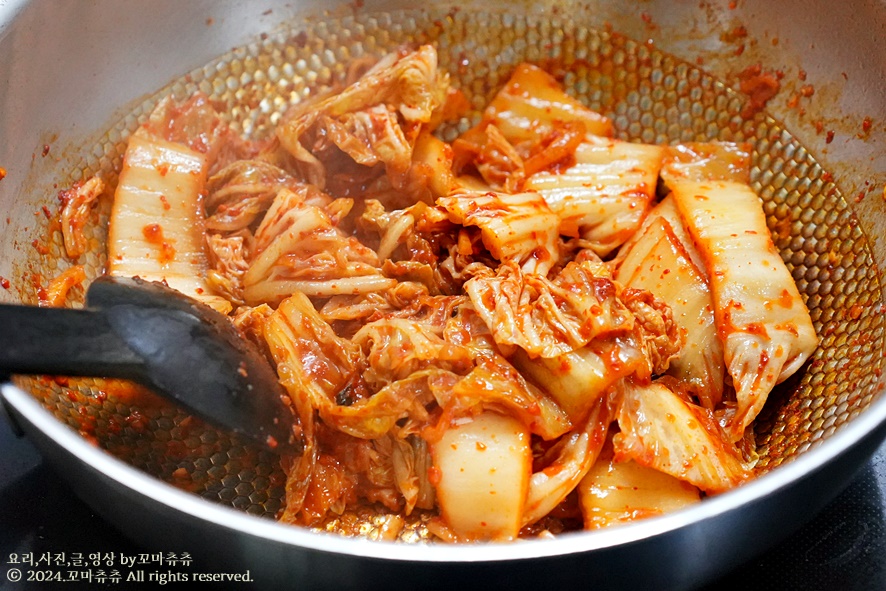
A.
pixel 650 96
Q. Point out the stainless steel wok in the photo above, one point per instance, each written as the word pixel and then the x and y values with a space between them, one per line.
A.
pixel 78 75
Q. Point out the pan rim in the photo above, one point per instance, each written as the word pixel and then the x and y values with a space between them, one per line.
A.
pixel 194 506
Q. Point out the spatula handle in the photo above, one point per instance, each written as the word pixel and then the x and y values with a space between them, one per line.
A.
pixel 60 341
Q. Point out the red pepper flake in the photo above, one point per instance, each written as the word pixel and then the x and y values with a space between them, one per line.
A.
pixel 165 202
pixel 39 247
pixel 802 75
pixel 733 4
pixel 45 152
pixel 829 137
pixel 759 86
pixel 47 213
pixel 827 177
pixel 819 126
pixel 2 173
pixel 866 124
pixel 807 90
pixel 646 18
pixel 163 169
pixel 4 283
pixel 785 300
pixel 153 233
pixel 435 474
pixel 740 49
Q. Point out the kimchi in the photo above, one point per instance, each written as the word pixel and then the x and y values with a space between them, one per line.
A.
pixel 532 328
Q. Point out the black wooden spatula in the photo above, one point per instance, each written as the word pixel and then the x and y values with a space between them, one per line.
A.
pixel 155 336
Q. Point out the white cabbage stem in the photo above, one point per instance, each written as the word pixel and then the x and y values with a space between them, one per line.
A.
pixel 156 230
pixel 620 492
pixel 484 465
